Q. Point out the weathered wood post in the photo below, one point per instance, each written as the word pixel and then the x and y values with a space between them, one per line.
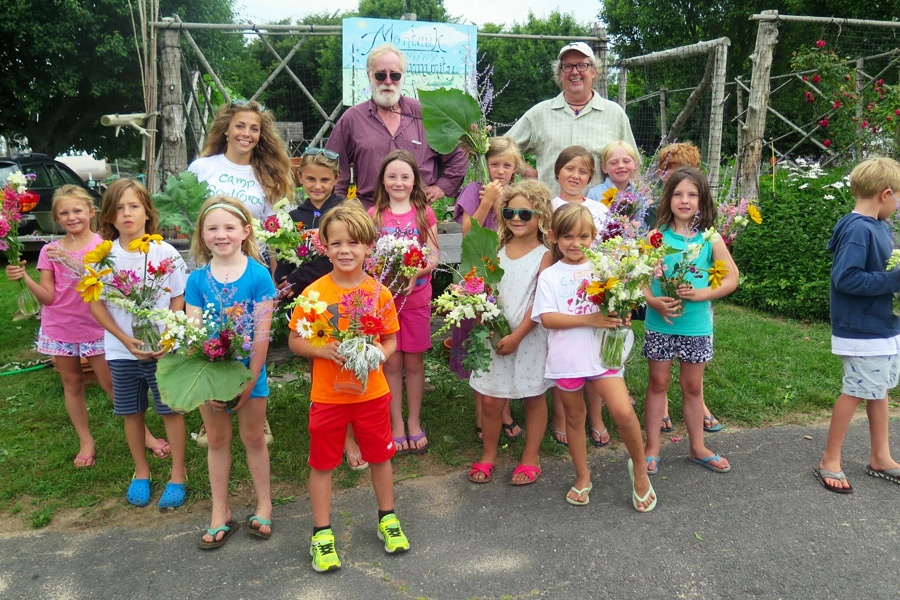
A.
pixel 757 103
pixel 171 108
pixel 717 113
pixel 600 51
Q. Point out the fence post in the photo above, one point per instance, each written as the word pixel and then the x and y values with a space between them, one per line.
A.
pixel 757 105
pixel 623 81
pixel 171 105
pixel 599 48
pixel 739 100
pixel 662 112
pixel 717 114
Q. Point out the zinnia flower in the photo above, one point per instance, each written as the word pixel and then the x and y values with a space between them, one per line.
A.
pixel 142 244
pixel 90 287
pixel 717 273
pixel 656 239
pixel 271 224
pixel 370 325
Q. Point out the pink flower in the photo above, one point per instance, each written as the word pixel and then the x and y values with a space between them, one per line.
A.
pixel 302 251
pixel 827 143
pixel 816 79
pixel 820 44
pixel 271 224
pixel 4 228
pixel 213 349
pixel 474 285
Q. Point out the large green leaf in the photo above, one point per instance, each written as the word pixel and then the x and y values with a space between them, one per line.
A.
pixel 481 243
pixel 180 202
pixel 447 115
pixel 186 382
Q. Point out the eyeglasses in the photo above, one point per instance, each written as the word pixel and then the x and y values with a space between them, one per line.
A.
pixel 524 214
pixel 395 76
pixel 581 67
pixel 327 153
pixel 247 104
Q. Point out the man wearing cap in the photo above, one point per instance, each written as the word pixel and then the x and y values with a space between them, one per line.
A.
pixel 388 121
pixel 577 117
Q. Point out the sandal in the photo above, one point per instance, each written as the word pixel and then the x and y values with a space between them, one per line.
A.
pixel 822 474
pixel 360 465
pixel 485 468
pixel 162 451
pixel 508 430
pixel 711 428
pixel 173 496
pixel 667 425
pixel 138 492
pixel 649 460
pixel 255 530
pixel 557 434
pixel 229 528
pixel 415 438
pixel 587 498
pixel 636 500
pixel 598 443
pixel 86 461
pixel 398 441
pixel 530 472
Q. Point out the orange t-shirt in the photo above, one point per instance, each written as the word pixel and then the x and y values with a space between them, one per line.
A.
pixel 325 372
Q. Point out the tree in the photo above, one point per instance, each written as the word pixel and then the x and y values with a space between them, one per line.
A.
pixel 425 10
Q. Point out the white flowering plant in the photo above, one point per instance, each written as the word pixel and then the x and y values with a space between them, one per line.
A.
pixel 395 259
pixel 290 242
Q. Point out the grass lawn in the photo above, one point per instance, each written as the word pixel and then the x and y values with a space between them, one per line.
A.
pixel 766 370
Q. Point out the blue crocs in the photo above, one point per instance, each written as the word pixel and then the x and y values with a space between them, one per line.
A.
pixel 173 496
pixel 138 492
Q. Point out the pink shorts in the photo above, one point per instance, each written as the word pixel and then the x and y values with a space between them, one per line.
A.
pixel 573 384
pixel 415 329
pixel 328 428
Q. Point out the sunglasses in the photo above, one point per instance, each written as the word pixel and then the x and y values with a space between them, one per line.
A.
pixel 327 153
pixel 524 214
pixel 247 104
pixel 381 76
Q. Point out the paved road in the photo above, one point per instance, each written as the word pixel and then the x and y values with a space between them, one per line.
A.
pixel 765 530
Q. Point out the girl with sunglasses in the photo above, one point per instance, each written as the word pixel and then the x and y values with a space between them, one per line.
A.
pixel 524 222
pixel 482 203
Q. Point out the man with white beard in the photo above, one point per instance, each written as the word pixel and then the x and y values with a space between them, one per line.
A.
pixel 388 121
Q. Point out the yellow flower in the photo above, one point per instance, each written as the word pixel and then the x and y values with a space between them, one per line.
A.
pixel 168 344
pixel 754 214
pixel 142 244
pixel 100 252
pixel 717 273
pixel 90 287
pixel 351 192
pixel 596 288
pixel 608 196
pixel 320 333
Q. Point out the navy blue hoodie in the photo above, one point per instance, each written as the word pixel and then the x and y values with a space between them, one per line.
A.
pixel 861 290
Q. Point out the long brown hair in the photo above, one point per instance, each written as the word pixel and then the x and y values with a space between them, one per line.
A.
pixel 417 197
pixel 707 209
pixel 110 206
pixel 202 254
pixel 538 195
pixel 269 158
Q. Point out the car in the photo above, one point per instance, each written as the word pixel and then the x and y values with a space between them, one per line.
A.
pixel 49 175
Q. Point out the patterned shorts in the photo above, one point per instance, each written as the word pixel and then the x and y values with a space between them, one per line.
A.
pixel 51 347
pixel 870 377
pixel 687 348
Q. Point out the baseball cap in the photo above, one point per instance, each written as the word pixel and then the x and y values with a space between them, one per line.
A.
pixel 578 47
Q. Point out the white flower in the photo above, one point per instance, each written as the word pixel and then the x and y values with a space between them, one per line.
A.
pixel 803 187
pixel 829 197
pixel 838 185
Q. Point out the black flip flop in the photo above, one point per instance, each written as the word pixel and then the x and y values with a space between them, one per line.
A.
pixel 229 528
pixel 508 430
pixel 821 474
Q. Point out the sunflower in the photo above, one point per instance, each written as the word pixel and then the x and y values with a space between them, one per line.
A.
pixel 754 214
pixel 142 244
pixel 717 273
pixel 609 196
pixel 99 253
pixel 319 333
pixel 90 287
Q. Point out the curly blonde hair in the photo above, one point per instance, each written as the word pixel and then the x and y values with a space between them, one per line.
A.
pixel 202 254
pixel 538 195
pixel 270 161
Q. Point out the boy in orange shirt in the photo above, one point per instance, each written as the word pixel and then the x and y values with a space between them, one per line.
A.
pixel 348 234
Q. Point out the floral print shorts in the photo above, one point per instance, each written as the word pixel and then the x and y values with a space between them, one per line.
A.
pixel 51 347
pixel 687 348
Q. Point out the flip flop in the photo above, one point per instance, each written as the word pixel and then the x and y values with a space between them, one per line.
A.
pixel 173 496
pixel 255 531
pixel 485 468
pixel 530 472
pixel 637 500
pixel 416 438
pixel 587 498
pixel 556 435
pixel 712 428
pixel 229 528
pixel 138 492
pixel 397 442
pixel 597 443
pixel 706 463
pixel 649 460
pixel 667 425
pixel 361 465
pixel 478 433
pixel 892 475
pixel 88 461
pixel 162 449
pixel 508 430
pixel 821 474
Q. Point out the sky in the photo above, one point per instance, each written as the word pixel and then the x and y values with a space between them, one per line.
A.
pixel 478 12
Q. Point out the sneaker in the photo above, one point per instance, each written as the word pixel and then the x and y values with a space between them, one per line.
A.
pixel 390 533
pixel 324 556
pixel 267 433
pixel 200 438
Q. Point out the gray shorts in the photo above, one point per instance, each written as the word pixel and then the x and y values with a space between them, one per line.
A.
pixel 870 377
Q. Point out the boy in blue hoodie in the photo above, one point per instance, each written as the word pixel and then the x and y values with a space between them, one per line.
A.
pixel 864 331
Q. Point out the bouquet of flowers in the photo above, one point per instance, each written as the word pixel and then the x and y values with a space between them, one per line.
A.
pixel 630 204
pixel 357 340
pixel 684 270
pixel 291 243
pixel 621 268
pixel 125 289
pixel 892 264
pixel 17 199
pixel 733 217
pixel 204 357
pixel 395 259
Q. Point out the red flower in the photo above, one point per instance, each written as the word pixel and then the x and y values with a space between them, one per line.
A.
pixel 656 239
pixel 827 143
pixel 370 325
pixel 897 112
pixel 879 82
pixel 414 257
pixel 823 123
pixel 820 44
pixel 816 79
pixel 846 78
pixel 865 124
pixel 836 105
pixel 271 224
pixel 889 118
pixel 809 97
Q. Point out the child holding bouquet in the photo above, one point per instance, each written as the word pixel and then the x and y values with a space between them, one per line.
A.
pixel 679 324
pixel 233 278
pixel 525 219
pixel 401 209
pixel 347 299
pixel 573 355
pixel 129 221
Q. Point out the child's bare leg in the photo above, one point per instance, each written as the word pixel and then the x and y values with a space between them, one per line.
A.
pixel 73 391
pixel 491 419
pixel 559 417
pixel 574 409
pixel 479 398
pixel 351 449
pixel 841 416
pixel 535 426
pixel 382 484
pixel 320 495
pixel 134 435
pixel 595 414
pixel 692 393
pixel 251 418
pixel 414 364
pixel 104 378
pixel 176 434
pixel 219 432
pixel 619 404
pixel 507 419
pixel 393 372
pixel 879 419
pixel 660 375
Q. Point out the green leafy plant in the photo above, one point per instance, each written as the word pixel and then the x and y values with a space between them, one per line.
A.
pixel 451 117
pixel 179 204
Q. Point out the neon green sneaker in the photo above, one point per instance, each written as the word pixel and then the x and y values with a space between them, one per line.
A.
pixel 390 533
pixel 324 556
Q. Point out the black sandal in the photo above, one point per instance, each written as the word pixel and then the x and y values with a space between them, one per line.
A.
pixel 508 430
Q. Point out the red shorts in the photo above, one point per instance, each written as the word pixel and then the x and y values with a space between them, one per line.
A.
pixel 371 422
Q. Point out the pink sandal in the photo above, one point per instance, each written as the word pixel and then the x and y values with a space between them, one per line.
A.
pixel 163 449
pixel 485 468
pixel 530 472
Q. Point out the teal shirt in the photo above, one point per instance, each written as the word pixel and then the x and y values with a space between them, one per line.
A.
pixel 697 316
